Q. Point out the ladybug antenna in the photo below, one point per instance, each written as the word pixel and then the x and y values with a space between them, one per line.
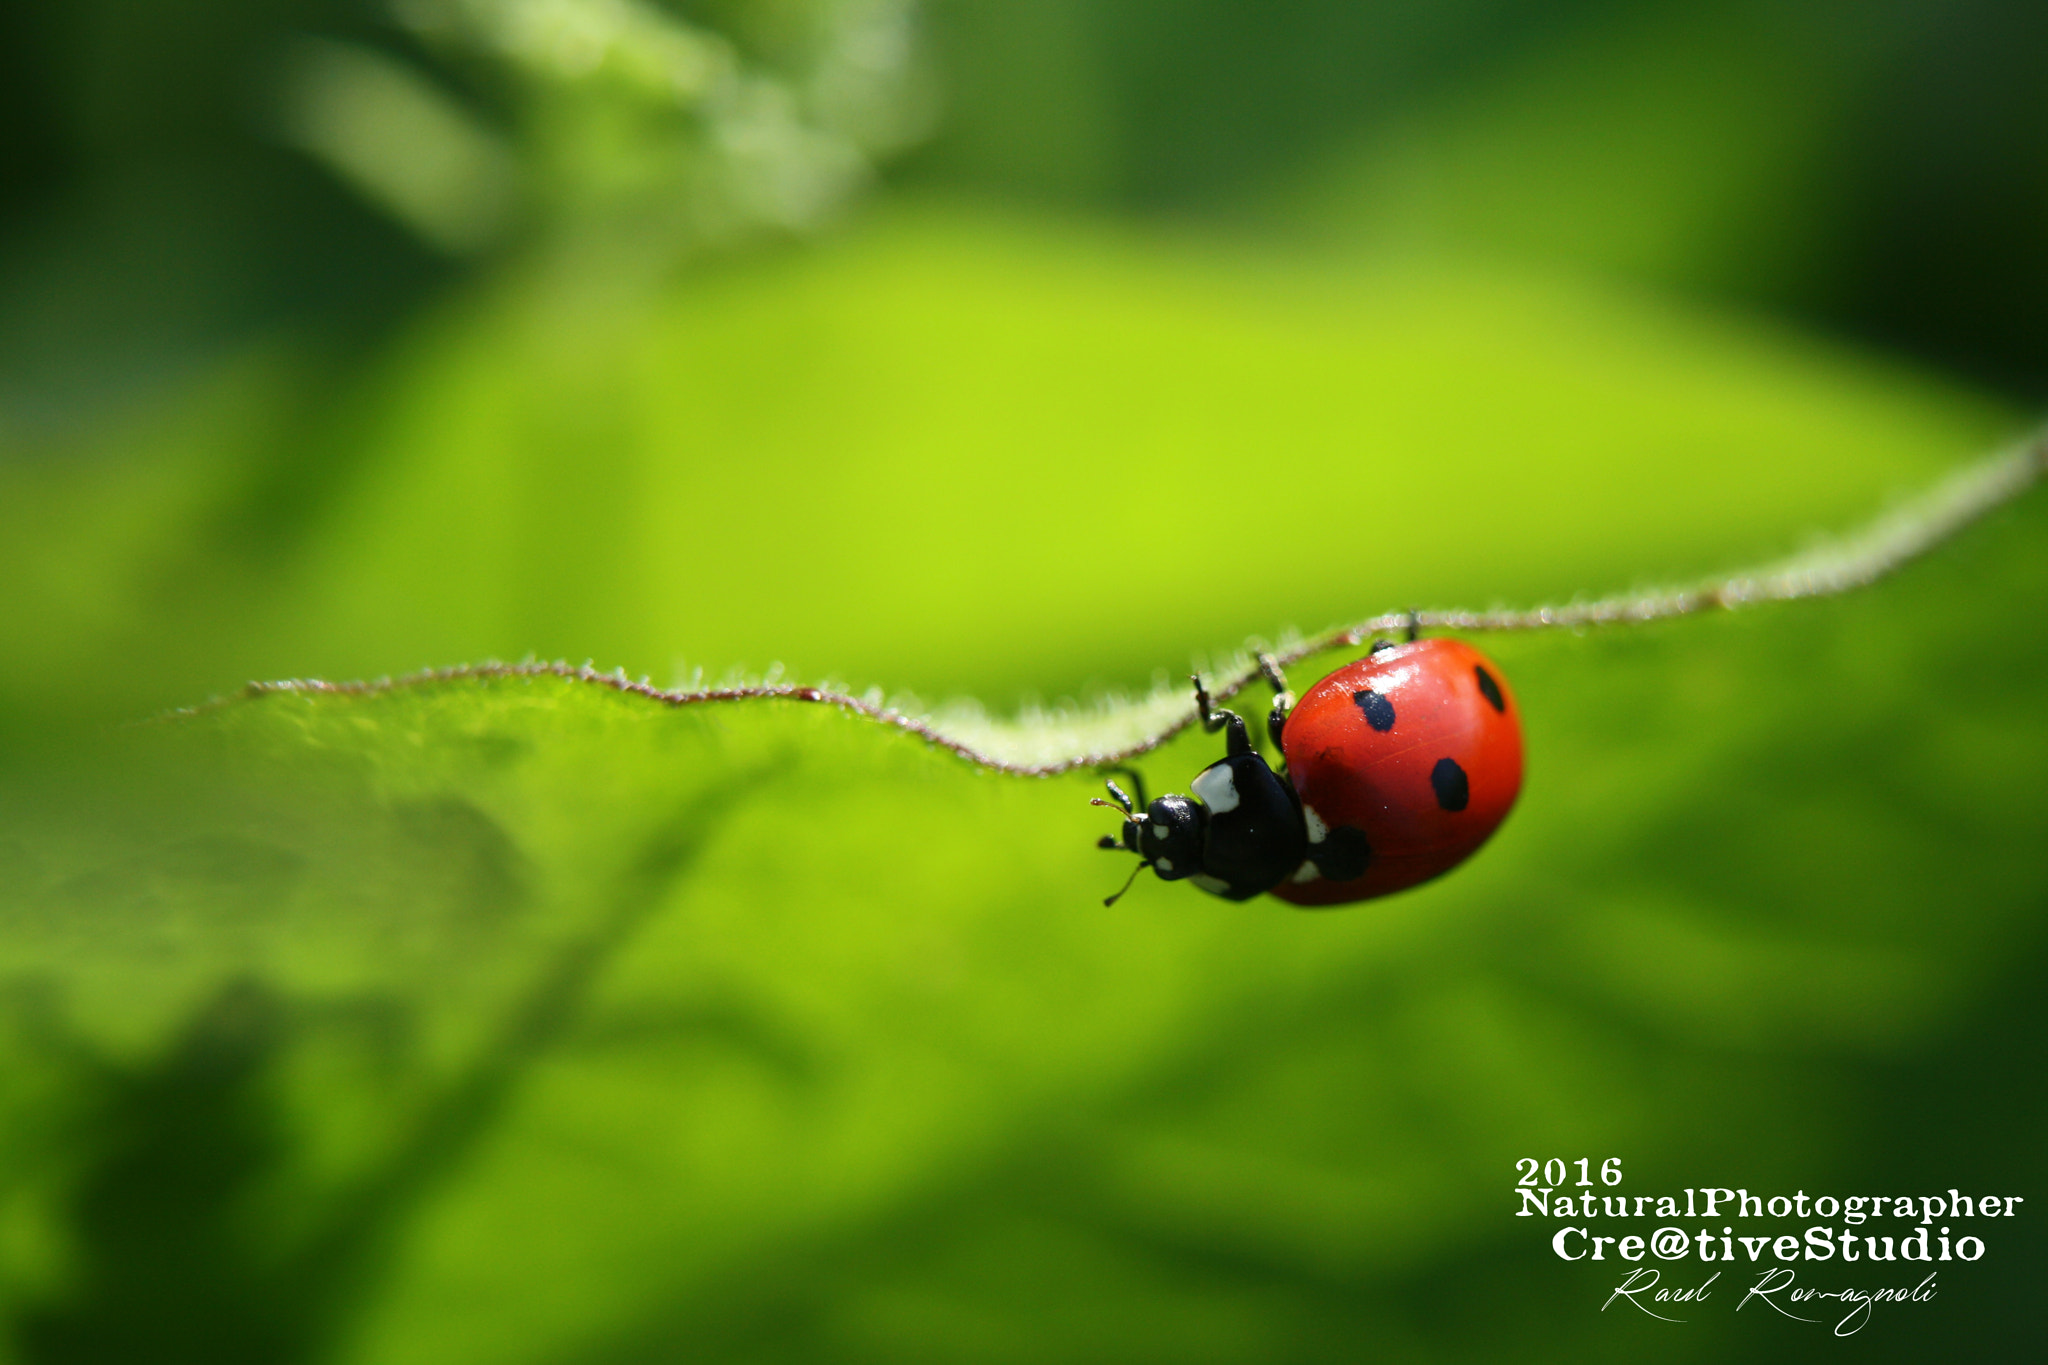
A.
pixel 1121 803
pixel 1110 841
pixel 1112 900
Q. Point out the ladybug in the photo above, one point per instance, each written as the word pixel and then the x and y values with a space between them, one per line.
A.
pixel 1394 769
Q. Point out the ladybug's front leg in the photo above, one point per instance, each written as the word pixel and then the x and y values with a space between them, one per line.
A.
pixel 1238 740
pixel 1137 782
pixel 1283 702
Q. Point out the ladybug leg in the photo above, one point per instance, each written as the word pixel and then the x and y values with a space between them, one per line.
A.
pixel 1116 794
pixel 1414 624
pixel 1137 782
pixel 1237 741
pixel 1283 701
pixel 1269 669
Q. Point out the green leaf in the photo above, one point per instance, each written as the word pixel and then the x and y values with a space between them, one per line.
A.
pixel 951 454
pixel 525 1019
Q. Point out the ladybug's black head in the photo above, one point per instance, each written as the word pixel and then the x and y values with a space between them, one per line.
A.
pixel 1171 836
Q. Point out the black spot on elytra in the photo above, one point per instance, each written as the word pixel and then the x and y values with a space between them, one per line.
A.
pixel 1453 792
pixel 1489 689
pixel 1379 712
pixel 1378 645
pixel 1343 855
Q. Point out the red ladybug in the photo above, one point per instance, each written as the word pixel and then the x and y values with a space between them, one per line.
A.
pixel 1396 769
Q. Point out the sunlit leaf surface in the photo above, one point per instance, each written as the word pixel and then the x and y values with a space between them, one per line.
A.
pixel 525 1021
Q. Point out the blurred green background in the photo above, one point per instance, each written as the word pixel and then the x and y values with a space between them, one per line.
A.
pixel 1024 353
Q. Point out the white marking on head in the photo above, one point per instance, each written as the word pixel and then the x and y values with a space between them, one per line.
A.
pixel 1215 788
pixel 1317 830
pixel 1307 872
pixel 1215 886
pixel 1159 831
pixel 1163 864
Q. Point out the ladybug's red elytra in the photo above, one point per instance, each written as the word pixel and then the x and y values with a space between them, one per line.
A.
pixel 1394 769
